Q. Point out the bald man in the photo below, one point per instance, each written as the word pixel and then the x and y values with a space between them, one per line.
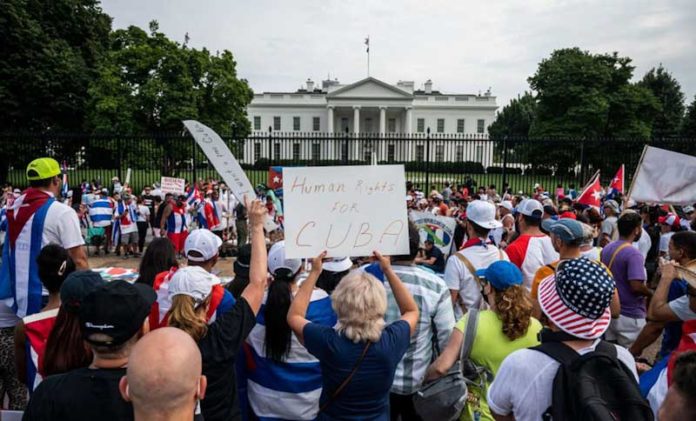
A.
pixel 164 379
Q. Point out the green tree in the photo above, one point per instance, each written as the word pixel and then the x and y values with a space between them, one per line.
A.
pixel 668 92
pixel 689 124
pixel 515 119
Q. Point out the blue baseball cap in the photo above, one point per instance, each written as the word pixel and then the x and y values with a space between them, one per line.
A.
pixel 501 274
pixel 566 229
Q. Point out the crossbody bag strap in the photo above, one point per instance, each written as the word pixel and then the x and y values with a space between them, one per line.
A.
pixel 469 334
pixel 470 267
pixel 616 252
pixel 345 382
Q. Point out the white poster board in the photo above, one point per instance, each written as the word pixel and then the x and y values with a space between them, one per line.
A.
pixel 438 228
pixel 221 159
pixel 664 177
pixel 173 185
pixel 346 210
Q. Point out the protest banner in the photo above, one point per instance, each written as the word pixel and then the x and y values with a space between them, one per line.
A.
pixel 346 210
pixel 172 185
pixel 221 159
pixel 440 229
pixel 664 177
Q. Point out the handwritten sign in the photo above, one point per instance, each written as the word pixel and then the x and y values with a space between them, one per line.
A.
pixel 347 210
pixel 221 159
pixel 439 229
pixel 173 185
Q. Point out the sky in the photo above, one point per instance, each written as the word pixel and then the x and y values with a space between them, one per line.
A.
pixel 462 46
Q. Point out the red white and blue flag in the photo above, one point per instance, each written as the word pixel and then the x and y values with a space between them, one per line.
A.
pixel 616 187
pixel 592 195
pixel 194 196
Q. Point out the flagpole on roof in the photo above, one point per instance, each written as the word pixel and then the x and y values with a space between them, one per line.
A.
pixel 367 43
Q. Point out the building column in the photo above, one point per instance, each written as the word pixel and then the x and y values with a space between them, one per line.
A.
pixel 409 118
pixel 330 122
pixel 382 120
pixel 356 119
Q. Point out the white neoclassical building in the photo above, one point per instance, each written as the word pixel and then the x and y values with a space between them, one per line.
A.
pixel 371 106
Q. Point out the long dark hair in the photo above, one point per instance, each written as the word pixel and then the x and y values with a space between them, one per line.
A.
pixel 159 257
pixel 278 334
pixel 65 349
pixel 328 281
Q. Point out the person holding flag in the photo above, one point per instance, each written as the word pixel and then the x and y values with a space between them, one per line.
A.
pixel 34 220
pixel 174 224
pixel 616 187
pixel 126 213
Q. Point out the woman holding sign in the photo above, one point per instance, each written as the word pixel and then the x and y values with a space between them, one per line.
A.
pixel 358 357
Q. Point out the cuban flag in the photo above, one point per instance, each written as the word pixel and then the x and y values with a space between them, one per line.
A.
pixel 592 194
pixel 64 190
pixel 194 197
pixel 617 184
pixel 3 218
pixel 116 231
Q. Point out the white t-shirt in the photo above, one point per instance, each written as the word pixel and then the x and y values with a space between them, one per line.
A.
pixel 458 277
pixel 144 214
pixel 524 383
pixel 609 227
pixel 664 242
pixel 681 308
pixel 643 244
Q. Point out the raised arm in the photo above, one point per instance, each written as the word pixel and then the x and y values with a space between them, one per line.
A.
pixel 253 293
pixel 404 299
pixel 659 309
pixel 298 308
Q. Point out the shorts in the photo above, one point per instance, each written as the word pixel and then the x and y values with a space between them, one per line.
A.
pixel 624 330
pixel 129 238
pixel 178 239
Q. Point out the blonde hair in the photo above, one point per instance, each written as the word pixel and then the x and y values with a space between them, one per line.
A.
pixel 185 315
pixel 514 308
pixel 360 302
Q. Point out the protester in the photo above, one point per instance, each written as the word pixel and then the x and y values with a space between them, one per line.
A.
pixel 173 222
pixel 126 216
pixel 65 348
pixel 609 230
pixel 159 257
pixel 217 210
pixel 476 253
pixel 190 291
pixel 143 218
pixel 433 257
pixel 278 357
pixel 333 271
pixel 160 206
pixel 505 328
pixel 628 268
pixel 578 314
pixel 163 379
pixel 241 271
pixel 669 224
pixel 101 213
pixel 587 249
pixel 241 224
pixel 680 401
pixel 54 265
pixel 436 318
pixel 112 318
pixel 359 355
pixel 532 249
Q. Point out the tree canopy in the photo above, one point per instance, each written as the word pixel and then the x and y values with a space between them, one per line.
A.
pixel 667 91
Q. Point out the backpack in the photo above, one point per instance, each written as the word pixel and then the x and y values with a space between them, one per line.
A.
pixel 596 386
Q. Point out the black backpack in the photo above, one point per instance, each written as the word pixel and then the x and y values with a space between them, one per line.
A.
pixel 596 386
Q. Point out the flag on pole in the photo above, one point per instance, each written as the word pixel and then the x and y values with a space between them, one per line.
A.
pixel 617 184
pixel 592 194
pixel 64 190
pixel 194 196
pixel 664 177
pixel 367 43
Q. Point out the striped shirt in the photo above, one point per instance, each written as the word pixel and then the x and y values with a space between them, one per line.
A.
pixel 289 390
pixel 435 305
pixel 101 212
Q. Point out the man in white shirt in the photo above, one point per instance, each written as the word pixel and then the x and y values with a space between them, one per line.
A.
pixel 477 253
pixel 610 231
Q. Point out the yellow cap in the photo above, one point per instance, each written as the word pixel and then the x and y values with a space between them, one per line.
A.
pixel 42 168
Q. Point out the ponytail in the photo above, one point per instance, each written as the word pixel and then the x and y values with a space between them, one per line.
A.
pixel 278 333
pixel 185 315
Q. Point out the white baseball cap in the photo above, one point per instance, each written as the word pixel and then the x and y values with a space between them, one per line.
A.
pixel 482 213
pixel 202 241
pixel 193 281
pixel 506 204
pixel 530 207
pixel 337 264
pixel 277 260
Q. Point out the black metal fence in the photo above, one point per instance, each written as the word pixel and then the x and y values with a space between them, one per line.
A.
pixel 429 159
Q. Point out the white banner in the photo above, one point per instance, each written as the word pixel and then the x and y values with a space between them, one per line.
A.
pixel 173 185
pixel 221 159
pixel 438 228
pixel 664 177
pixel 346 210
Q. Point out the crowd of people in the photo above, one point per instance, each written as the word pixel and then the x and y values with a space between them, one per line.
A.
pixel 537 295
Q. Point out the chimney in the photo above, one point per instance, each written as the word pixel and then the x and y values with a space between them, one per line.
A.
pixel 310 85
pixel 429 86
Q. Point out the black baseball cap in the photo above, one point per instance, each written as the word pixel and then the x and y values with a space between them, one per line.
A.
pixel 77 286
pixel 116 310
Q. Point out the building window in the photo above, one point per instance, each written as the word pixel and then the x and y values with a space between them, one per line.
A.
pixel 440 125
pixel 391 153
pixel 459 153
pixel 296 124
pixel 420 125
pixel 296 151
pixel 344 124
pixel 391 125
pixel 479 153
pixel 368 125
pixel 316 151
pixel 276 151
pixel 257 151
pixel 315 124
pixel 460 125
pixel 257 122
pixel 276 123
pixel 420 153
pixel 480 126
pixel 439 153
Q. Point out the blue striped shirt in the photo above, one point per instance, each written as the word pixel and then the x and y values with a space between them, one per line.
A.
pixel 101 213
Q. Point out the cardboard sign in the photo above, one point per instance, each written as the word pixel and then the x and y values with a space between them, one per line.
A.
pixel 347 211
pixel 221 159
pixel 438 228
pixel 173 185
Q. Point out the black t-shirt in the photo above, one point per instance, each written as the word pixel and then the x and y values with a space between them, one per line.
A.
pixel 219 347
pixel 82 394
pixel 439 265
